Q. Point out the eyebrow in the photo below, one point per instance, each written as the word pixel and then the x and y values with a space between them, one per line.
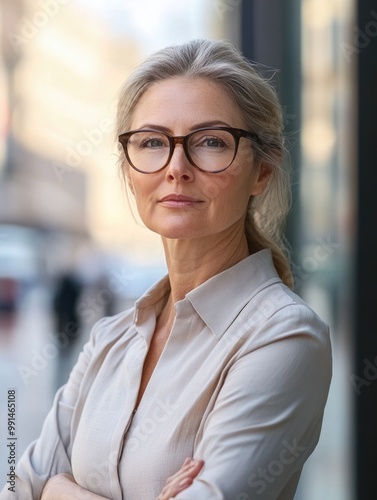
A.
pixel 212 123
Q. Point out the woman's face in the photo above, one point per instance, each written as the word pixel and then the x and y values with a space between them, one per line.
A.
pixel 216 203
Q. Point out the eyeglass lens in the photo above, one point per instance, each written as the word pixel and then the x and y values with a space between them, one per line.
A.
pixel 210 150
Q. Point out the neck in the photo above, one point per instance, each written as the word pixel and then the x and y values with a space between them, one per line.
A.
pixel 191 262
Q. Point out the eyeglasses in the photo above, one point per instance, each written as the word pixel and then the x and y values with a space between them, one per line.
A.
pixel 208 149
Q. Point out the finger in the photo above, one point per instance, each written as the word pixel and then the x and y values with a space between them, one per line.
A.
pixel 190 470
pixel 174 488
pixel 181 480
pixel 187 465
pixel 195 468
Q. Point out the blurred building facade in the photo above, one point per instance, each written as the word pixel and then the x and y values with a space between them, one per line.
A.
pixel 59 84
pixel 305 39
pixel 62 67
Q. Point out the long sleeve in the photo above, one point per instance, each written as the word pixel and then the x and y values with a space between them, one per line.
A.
pixel 50 453
pixel 268 414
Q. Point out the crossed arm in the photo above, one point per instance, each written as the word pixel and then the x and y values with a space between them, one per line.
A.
pixel 64 487
pixel 264 424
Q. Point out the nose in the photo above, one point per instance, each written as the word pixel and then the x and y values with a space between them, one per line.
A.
pixel 179 167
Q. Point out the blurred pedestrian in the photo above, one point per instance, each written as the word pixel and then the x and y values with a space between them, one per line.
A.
pixel 67 322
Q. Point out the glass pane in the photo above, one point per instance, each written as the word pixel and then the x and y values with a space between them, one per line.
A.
pixel 326 247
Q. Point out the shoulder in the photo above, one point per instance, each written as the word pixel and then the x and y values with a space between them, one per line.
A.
pixel 278 327
pixel 110 329
pixel 285 348
pixel 276 311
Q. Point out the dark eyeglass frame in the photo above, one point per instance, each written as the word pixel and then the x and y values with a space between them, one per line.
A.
pixel 237 133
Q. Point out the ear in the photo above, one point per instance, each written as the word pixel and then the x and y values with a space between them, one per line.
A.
pixel 263 175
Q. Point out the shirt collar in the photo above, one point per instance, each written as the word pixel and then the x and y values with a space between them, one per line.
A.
pixel 153 297
pixel 219 300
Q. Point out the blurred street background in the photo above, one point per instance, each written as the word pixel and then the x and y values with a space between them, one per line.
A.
pixel 71 246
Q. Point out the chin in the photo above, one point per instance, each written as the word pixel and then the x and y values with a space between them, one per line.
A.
pixel 177 232
pixel 176 226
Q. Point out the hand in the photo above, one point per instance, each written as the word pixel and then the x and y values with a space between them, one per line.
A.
pixel 64 487
pixel 181 479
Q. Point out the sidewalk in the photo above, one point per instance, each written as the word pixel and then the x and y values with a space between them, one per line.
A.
pixel 29 362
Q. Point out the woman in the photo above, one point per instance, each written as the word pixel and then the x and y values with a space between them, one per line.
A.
pixel 219 366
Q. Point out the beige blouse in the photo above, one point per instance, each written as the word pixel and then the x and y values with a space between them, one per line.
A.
pixel 241 383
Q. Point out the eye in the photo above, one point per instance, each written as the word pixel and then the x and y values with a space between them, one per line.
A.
pixel 148 139
pixel 212 141
pixel 152 142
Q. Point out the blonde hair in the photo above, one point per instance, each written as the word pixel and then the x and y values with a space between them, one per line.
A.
pixel 258 104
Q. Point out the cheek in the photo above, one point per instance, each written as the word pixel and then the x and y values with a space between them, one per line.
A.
pixel 141 202
pixel 237 185
pixel 221 186
pixel 232 201
pixel 144 189
pixel 243 194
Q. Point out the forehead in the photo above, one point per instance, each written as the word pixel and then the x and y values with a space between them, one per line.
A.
pixel 184 102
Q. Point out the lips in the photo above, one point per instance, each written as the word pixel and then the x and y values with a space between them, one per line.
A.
pixel 180 197
pixel 179 200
